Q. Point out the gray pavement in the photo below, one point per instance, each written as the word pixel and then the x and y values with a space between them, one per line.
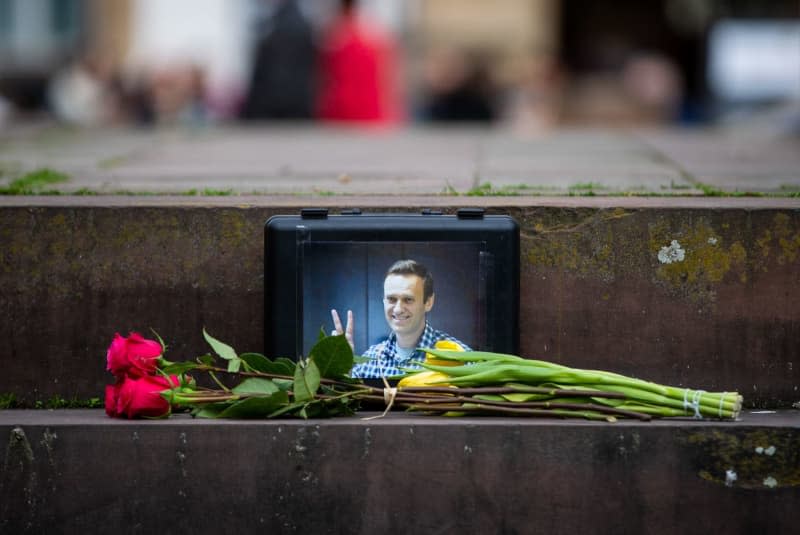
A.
pixel 307 160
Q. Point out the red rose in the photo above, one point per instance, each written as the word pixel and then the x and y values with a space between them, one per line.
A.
pixel 112 394
pixel 134 356
pixel 139 397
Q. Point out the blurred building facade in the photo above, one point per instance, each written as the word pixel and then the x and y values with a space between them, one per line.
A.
pixel 534 62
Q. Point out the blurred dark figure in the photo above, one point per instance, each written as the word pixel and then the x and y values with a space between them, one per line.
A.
pixel 138 101
pixel 359 71
pixel 459 88
pixel 281 86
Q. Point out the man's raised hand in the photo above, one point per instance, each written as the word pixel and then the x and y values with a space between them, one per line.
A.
pixel 348 329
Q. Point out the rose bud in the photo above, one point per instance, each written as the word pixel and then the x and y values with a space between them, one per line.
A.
pixel 142 397
pixel 134 356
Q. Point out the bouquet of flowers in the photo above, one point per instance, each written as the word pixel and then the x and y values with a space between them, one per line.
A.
pixel 453 382
pixel 148 385
pixel 498 383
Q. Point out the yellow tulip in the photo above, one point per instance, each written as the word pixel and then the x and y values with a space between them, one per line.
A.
pixel 445 345
pixel 426 378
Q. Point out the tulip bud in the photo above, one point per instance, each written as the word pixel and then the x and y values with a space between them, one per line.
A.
pixel 426 378
pixel 445 345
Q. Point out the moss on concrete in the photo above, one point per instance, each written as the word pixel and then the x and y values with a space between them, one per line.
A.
pixel 788 238
pixel 607 244
pixel 764 459
pixel 35 182
pixel 709 255
pixel 584 242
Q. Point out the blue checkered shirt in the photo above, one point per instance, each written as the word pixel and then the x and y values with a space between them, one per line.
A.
pixel 384 360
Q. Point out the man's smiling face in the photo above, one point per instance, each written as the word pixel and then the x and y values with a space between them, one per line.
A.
pixel 404 305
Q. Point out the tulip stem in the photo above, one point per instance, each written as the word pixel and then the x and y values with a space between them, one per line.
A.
pixel 448 403
pixel 524 389
pixel 515 411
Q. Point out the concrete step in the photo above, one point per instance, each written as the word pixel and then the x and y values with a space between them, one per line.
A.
pixel 307 159
pixel 77 471
pixel 598 288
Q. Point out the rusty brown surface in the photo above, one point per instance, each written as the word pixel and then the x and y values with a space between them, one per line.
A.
pixel 593 292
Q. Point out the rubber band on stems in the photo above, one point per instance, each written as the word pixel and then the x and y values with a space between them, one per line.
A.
pixel 695 403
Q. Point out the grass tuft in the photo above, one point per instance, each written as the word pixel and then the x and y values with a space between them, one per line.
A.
pixel 35 182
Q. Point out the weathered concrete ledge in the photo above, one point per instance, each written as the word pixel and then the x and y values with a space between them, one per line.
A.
pixel 597 289
pixel 75 470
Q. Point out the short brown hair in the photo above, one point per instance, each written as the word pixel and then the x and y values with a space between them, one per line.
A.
pixel 412 267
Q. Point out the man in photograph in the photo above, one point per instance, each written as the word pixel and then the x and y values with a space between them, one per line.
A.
pixel 407 298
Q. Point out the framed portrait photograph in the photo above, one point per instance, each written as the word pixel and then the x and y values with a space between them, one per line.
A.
pixel 392 283
pixel 350 276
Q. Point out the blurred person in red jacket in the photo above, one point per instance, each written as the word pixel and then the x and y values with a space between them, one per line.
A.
pixel 359 78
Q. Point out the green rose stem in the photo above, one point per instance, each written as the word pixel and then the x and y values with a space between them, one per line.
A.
pixel 265 375
pixel 202 396
pixel 211 396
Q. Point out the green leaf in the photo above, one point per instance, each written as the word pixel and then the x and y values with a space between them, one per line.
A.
pixel 306 381
pixel 312 410
pixel 210 410
pixel 260 363
pixel 178 368
pixel 333 356
pixel 256 385
pixel 222 349
pixel 256 407
pixel 254 362
pixel 286 364
pixel 489 397
pixel 521 397
pixel 234 365
pixel 284 384
pixel 208 360
pixel 287 408
pixel 340 407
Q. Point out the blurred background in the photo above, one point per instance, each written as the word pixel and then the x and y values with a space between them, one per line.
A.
pixel 520 64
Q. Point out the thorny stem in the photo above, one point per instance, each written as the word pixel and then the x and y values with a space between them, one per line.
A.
pixel 287 377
